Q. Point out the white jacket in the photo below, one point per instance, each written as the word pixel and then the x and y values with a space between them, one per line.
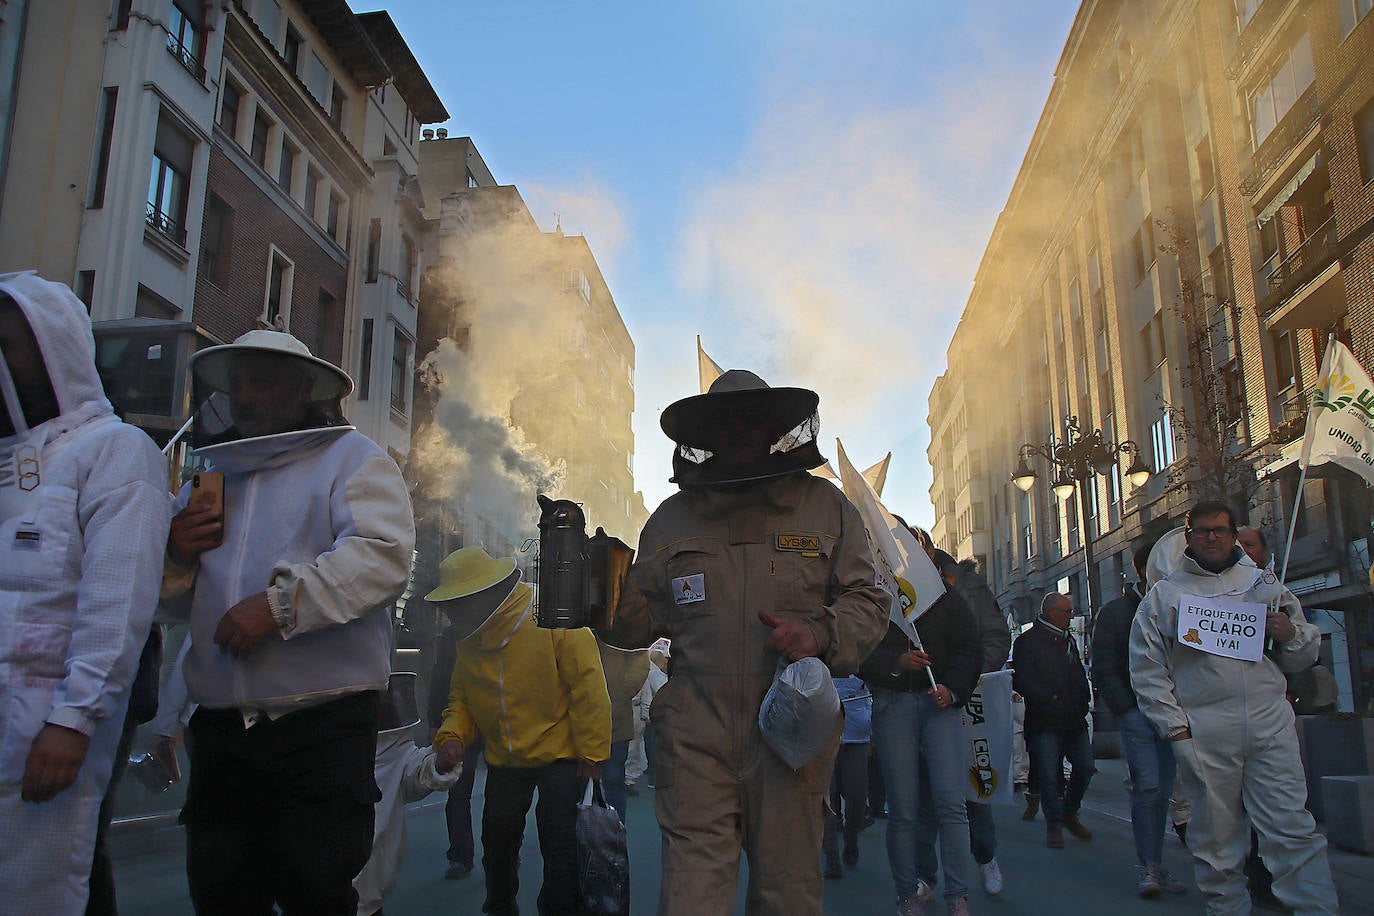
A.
pixel 1175 682
pixel 81 545
pixel 405 773
pixel 322 519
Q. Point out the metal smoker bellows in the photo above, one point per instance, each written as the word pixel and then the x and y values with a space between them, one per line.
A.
pixel 579 577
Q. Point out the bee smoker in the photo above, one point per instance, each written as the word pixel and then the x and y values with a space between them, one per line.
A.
pixel 579 577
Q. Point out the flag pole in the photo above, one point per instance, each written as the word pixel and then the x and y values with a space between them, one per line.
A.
pixel 1302 461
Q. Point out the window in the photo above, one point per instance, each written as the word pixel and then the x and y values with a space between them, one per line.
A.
pixel 1206 173
pixel 170 181
pixel 317 79
pixel 1352 11
pixel 400 378
pixel 331 215
pixel 286 164
pixel 1162 441
pixel 291 49
pixel 1245 11
pixel 388 148
pixel 277 303
pixel 327 326
pixel 85 287
pixel 267 14
pixel 119 15
pixel 1282 89
pixel 1143 248
pixel 229 98
pixel 365 362
pixel 148 304
pixel 261 127
pixel 472 179
pixel 405 281
pixel 337 100
pixel 1285 361
pixel 312 191
pixel 215 240
pixel 576 280
pixel 1364 141
pixel 374 246
pixel 102 162
pixel 186 36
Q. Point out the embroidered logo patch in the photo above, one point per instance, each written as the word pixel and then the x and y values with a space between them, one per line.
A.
pixel 689 589
pixel 809 542
pixel 28 540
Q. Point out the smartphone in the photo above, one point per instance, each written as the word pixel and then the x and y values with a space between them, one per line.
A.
pixel 207 489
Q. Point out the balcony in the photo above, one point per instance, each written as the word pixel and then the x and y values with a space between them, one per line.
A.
pixel 165 225
pixel 1292 419
pixel 1274 150
pixel 187 57
pixel 1262 16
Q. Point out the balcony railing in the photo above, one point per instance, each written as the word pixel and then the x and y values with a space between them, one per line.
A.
pixel 403 290
pixel 1313 255
pixel 1292 417
pixel 1252 34
pixel 187 56
pixel 166 225
pixel 1273 149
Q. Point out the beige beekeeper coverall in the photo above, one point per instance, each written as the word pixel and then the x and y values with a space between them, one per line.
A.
pixel 709 561
pixel 1242 760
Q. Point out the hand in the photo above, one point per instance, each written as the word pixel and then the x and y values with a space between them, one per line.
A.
pixel 448 756
pixel 55 757
pixel 943 697
pixel 587 770
pixel 1279 626
pixel 195 530
pixel 244 624
pixel 915 660
pixel 1182 734
pixel 790 637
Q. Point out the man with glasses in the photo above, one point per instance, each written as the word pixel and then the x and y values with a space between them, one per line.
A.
pixel 1214 685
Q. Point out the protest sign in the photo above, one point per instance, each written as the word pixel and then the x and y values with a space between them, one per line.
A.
pixel 1234 629
pixel 987 738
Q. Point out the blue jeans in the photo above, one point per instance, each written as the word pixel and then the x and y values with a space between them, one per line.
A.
pixel 1150 760
pixel 1049 749
pixel 613 777
pixel 909 729
pixel 982 834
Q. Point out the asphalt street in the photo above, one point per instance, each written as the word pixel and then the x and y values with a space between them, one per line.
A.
pixel 1086 877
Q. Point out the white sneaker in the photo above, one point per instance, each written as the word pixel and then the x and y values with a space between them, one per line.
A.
pixel 992 877
pixel 924 892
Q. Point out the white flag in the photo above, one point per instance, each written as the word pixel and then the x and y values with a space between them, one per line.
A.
pixel 1340 422
pixel 903 567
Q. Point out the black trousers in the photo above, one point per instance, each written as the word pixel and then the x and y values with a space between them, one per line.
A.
pixel 281 811
pixel 508 796
pixel 458 808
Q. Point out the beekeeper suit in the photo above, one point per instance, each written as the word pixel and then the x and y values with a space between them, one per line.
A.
pixel 290 590
pixel 84 511
pixel 754 562
pixel 405 773
pixel 1233 730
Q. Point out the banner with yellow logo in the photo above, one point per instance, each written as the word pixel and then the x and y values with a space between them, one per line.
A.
pixel 1340 422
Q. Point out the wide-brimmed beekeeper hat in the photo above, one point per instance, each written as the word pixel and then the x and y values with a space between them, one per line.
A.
pixel 787 415
pixel 211 365
pixel 468 571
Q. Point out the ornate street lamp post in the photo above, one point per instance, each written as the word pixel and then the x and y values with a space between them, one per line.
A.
pixel 1076 458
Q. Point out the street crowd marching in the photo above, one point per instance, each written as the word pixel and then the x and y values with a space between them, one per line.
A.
pixel 285 552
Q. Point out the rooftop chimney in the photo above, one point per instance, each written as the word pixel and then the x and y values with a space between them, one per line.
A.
pixel 427 134
pixel 442 133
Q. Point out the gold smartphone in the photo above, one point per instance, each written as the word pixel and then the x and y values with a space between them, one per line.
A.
pixel 207 489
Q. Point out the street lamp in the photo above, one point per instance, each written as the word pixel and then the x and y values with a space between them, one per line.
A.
pixel 1076 458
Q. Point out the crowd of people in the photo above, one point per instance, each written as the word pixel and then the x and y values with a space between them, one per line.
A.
pixel 300 737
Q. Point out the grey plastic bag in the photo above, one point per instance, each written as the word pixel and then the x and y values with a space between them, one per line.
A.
pixel 800 712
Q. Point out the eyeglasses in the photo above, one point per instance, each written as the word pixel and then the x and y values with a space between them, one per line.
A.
pixel 1204 533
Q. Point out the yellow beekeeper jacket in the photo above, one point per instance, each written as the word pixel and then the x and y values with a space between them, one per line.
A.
pixel 536 695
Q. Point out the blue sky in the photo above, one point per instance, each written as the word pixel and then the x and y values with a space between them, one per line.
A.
pixel 808 186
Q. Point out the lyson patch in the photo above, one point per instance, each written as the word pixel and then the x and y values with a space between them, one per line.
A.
pixel 689 589
pixel 806 542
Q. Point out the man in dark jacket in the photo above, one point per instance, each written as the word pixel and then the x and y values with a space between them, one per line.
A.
pixel 1149 757
pixel 1049 675
pixel 915 723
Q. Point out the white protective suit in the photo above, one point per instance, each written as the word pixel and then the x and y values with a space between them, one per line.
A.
pixel 405 773
pixel 1242 760
pixel 83 528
